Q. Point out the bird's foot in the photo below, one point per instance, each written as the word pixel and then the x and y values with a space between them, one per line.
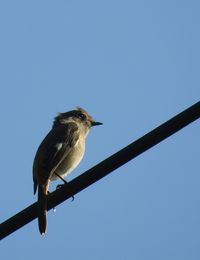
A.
pixel 60 186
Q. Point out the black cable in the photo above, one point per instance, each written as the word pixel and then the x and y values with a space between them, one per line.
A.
pixel 104 168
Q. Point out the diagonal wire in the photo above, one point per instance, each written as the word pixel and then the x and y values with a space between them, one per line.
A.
pixel 104 168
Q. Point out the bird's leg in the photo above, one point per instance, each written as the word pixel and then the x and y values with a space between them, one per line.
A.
pixel 60 185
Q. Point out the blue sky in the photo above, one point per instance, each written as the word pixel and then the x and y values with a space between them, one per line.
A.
pixel 132 65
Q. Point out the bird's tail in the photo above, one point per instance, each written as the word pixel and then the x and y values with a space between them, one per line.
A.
pixel 42 208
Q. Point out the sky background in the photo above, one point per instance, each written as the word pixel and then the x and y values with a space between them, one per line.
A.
pixel 132 65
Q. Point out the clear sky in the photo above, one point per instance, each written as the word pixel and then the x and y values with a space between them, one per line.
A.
pixel 132 65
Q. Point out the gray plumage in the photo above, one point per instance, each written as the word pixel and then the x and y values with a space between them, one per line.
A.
pixel 59 153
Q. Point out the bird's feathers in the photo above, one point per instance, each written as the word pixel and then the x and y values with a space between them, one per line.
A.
pixel 54 148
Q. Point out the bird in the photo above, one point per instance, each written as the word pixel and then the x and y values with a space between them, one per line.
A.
pixel 59 153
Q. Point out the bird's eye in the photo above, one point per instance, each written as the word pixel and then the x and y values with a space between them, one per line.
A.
pixel 81 116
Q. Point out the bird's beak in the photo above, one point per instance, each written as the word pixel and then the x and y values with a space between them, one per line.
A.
pixel 96 123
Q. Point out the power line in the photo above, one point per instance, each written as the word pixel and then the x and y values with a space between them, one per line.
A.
pixel 104 168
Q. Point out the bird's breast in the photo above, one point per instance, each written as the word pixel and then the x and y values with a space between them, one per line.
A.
pixel 71 161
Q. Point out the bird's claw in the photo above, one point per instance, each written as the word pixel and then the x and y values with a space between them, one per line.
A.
pixel 60 186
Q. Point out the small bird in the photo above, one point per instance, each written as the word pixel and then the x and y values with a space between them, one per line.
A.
pixel 59 153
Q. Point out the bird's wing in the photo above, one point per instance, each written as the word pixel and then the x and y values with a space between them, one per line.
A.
pixel 53 149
